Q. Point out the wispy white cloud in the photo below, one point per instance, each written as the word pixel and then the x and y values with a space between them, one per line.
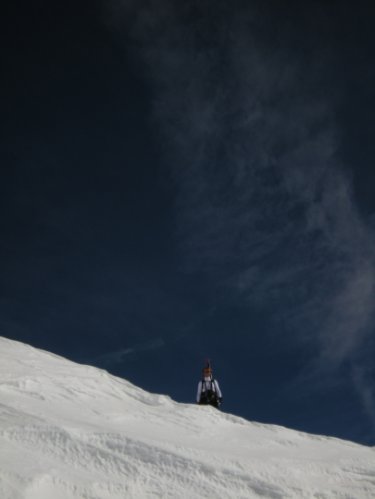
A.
pixel 366 391
pixel 263 202
pixel 119 356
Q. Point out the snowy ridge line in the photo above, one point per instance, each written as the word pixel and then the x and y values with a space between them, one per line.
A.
pixel 71 431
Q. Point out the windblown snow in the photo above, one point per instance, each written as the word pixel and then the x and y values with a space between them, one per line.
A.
pixel 74 431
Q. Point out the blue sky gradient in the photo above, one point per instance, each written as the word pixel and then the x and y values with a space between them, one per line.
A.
pixel 183 182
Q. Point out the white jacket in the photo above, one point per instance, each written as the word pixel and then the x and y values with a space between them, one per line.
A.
pixel 208 384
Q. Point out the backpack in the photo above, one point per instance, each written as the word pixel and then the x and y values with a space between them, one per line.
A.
pixel 209 395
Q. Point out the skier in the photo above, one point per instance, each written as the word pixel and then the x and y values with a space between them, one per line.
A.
pixel 209 392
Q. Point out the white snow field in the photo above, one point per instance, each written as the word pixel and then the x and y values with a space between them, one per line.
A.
pixel 74 431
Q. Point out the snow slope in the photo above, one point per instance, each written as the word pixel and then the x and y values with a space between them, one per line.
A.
pixel 74 431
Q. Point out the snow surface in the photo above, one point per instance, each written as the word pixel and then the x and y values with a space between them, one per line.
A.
pixel 74 431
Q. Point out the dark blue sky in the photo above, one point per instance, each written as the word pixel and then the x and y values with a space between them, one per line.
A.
pixel 182 182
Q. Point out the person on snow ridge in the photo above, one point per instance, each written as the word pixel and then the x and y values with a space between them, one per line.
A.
pixel 209 392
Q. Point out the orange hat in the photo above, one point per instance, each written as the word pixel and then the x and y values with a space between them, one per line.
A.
pixel 207 371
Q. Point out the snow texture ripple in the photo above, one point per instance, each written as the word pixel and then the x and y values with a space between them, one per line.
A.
pixel 71 431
